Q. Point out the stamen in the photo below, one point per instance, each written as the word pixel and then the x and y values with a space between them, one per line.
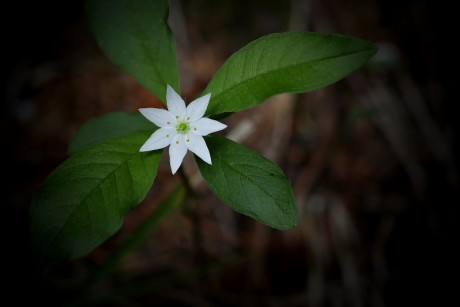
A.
pixel 168 123
pixel 182 127
pixel 177 142
pixel 167 135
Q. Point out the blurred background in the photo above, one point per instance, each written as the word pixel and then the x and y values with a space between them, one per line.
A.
pixel 373 160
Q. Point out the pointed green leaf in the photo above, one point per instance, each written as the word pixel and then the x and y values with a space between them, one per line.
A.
pixel 284 62
pixel 84 199
pixel 108 127
pixel 135 35
pixel 249 183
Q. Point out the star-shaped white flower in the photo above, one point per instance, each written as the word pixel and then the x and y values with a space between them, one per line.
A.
pixel 181 127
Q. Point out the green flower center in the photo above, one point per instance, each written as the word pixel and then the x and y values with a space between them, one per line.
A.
pixel 182 127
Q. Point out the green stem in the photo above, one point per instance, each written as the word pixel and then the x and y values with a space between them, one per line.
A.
pixel 190 211
pixel 138 236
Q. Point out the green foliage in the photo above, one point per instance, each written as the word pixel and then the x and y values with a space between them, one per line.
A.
pixel 84 200
pixel 249 183
pixel 135 35
pixel 108 127
pixel 284 62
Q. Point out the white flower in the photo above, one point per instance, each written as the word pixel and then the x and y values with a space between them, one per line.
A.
pixel 181 128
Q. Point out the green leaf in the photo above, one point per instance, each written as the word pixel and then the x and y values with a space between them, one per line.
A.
pixel 84 199
pixel 249 183
pixel 109 127
pixel 135 35
pixel 284 62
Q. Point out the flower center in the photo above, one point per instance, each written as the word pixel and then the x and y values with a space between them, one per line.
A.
pixel 182 127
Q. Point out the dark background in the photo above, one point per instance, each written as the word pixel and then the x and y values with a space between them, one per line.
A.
pixel 373 160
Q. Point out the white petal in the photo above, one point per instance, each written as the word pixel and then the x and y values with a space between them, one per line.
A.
pixel 159 139
pixel 205 126
pixel 197 108
pixel 176 104
pixel 159 117
pixel 177 152
pixel 197 145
